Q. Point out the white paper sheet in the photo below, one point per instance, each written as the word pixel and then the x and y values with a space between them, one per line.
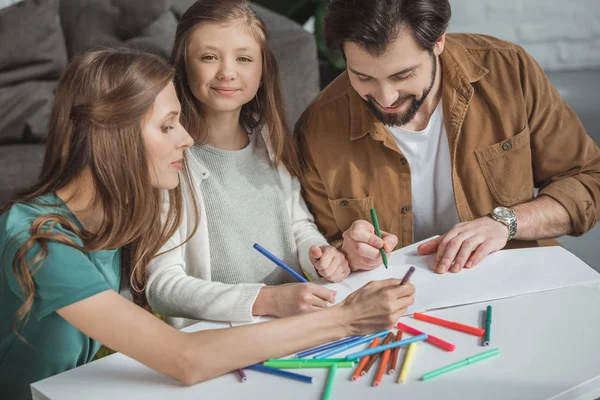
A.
pixel 359 279
pixel 506 273
pixel 351 284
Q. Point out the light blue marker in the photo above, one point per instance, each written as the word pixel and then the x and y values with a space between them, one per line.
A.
pixel 326 347
pixel 350 345
pixel 379 349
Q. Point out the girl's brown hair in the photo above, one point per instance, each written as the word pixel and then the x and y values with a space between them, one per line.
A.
pixel 95 125
pixel 268 107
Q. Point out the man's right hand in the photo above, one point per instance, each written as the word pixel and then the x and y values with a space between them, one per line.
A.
pixel 291 299
pixel 361 245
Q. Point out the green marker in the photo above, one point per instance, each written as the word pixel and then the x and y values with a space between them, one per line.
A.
pixel 460 364
pixel 488 325
pixel 307 360
pixel 378 231
pixel 302 364
pixel 329 385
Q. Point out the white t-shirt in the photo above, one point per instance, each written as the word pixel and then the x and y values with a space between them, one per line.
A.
pixel 428 154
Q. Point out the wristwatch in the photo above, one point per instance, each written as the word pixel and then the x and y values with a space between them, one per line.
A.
pixel 507 217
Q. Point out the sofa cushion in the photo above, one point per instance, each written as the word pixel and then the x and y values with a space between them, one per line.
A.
pixel 296 53
pixel 24 111
pixel 32 42
pixel 20 165
pixel 158 36
pixel 92 23
pixel 33 55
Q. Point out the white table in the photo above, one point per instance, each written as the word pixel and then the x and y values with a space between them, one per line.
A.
pixel 549 349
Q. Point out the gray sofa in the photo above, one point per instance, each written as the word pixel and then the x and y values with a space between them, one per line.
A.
pixel 38 37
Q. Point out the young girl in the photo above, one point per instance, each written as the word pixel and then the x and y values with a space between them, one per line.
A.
pixel 93 217
pixel 244 169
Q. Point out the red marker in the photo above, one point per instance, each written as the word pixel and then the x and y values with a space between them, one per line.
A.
pixel 436 341
pixel 449 324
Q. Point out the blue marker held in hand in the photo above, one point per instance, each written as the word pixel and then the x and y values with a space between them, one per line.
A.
pixel 278 262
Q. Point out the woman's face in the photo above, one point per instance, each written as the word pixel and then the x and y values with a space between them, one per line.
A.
pixel 165 139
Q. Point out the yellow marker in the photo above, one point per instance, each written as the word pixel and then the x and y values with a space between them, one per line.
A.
pixel 407 360
pixel 307 276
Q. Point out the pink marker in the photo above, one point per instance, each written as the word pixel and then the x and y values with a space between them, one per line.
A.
pixel 436 341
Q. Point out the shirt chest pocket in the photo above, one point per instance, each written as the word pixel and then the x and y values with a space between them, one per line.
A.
pixel 348 210
pixel 507 169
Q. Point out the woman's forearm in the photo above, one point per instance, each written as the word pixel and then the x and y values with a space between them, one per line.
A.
pixel 377 305
pixel 195 357
pixel 215 352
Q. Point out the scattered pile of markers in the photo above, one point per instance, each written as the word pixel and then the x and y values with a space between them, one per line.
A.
pixel 386 350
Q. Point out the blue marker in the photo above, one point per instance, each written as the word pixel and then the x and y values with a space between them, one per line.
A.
pixel 277 261
pixel 379 349
pixel 327 346
pixel 354 343
pixel 285 374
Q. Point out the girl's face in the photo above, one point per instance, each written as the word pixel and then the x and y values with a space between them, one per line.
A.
pixel 165 139
pixel 224 65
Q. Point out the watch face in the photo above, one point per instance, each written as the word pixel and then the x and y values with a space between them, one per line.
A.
pixel 502 212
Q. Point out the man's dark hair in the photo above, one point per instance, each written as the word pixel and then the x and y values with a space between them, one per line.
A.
pixel 374 24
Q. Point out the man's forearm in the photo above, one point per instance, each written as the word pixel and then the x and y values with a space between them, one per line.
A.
pixel 542 218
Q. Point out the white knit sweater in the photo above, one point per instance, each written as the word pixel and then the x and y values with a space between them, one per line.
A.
pixel 179 282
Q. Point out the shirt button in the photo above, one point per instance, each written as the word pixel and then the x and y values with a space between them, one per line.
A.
pixel 406 209
pixel 506 146
pixel 403 161
pixel 344 203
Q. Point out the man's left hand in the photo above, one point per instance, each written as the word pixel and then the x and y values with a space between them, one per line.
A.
pixel 466 244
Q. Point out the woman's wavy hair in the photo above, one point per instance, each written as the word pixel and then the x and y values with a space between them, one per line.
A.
pixel 95 124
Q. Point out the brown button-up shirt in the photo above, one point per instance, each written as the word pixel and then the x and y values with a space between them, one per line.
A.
pixel 509 131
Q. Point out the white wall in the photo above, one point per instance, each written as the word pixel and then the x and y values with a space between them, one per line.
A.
pixel 560 34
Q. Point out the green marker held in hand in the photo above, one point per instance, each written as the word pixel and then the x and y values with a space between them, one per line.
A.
pixel 378 232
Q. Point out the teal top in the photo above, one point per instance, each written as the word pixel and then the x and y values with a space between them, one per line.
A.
pixel 66 276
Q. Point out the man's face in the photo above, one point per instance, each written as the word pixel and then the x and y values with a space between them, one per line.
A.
pixel 394 84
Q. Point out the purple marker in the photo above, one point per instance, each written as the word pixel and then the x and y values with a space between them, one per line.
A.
pixel 407 275
pixel 242 375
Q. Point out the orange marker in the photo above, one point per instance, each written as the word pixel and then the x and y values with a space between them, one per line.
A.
pixel 394 355
pixel 364 360
pixel 384 362
pixel 376 356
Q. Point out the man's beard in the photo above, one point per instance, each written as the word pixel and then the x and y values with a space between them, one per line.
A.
pixel 399 119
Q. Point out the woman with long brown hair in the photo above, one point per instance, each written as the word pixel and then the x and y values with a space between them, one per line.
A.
pixel 114 148
pixel 245 168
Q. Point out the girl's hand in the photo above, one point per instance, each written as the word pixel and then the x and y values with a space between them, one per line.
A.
pixel 329 263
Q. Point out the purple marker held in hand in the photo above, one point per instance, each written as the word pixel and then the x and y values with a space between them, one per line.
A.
pixel 407 275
